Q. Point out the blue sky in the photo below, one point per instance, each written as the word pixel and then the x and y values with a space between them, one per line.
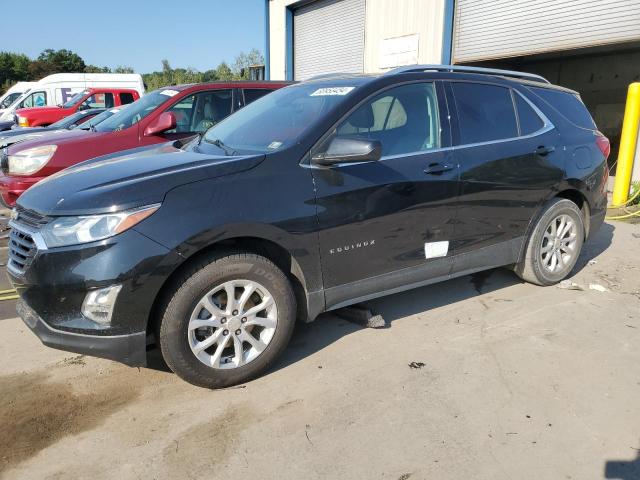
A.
pixel 191 33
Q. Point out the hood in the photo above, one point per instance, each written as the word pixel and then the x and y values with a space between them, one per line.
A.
pixel 62 137
pixel 27 112
pixel 121 181
pixel 26 135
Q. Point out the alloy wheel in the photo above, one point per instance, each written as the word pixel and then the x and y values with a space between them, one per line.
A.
pixel 232 324
pixel 559 243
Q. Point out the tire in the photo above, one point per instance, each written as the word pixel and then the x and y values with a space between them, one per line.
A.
pixel 197 309
pixel 536 265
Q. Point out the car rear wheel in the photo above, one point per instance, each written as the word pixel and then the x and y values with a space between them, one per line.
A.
pixel 554 244
pixel 226 320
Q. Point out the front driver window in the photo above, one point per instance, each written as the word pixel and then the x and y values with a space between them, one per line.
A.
pixel 404 119
pixel 197 113
pixel 98 100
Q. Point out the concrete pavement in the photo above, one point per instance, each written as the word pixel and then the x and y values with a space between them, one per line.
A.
pixel 482 377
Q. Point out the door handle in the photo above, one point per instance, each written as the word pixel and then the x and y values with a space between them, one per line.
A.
pixel 542 150
pixel 438 168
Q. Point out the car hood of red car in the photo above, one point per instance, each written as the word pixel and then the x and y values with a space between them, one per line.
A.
pixel 26 112
pixel 60 138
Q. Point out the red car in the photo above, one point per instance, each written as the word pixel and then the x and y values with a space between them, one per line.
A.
pixel 90 98
pixel 166 114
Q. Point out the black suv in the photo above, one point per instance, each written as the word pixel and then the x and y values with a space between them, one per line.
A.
pixel 317 196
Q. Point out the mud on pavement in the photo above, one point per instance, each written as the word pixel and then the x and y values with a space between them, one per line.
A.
pixel 38 411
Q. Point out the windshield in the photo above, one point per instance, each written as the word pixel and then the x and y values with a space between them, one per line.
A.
pixel 18 100
pixel 66 122
pixel 87 125
pixel 276 120
pixel 9 99
pixel 136 111
pixel 75 99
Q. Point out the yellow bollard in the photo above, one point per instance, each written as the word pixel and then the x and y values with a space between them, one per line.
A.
pixel 628 140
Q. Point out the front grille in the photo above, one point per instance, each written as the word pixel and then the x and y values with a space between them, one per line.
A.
pixel 30 218
pixel 25 225
pixel 22 250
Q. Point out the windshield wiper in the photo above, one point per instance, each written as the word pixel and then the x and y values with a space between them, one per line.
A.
pixel 228 151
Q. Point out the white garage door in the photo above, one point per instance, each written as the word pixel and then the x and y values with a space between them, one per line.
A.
pixel 486 29
pixel 328 37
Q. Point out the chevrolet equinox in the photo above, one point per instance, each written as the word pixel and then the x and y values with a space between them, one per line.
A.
pixel 317 196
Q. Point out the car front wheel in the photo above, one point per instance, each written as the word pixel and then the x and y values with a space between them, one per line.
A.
pixel 226 320
pixel 554 244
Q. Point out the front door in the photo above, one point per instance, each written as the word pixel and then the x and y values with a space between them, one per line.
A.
pixel 387 224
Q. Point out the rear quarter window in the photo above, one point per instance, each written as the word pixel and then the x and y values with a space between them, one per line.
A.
pixel 126 98
pixel 568 105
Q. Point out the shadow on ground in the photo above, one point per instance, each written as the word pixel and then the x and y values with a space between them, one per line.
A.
pixel 328 328
pixel 623 470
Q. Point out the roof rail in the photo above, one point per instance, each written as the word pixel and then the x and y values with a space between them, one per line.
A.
pixel 461 68
pixel 333 75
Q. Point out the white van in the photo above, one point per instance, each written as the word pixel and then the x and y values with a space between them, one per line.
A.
pixel 13 93
pixel 56 89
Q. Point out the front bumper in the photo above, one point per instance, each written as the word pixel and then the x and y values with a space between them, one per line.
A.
pixel 56 281
pixel 129 349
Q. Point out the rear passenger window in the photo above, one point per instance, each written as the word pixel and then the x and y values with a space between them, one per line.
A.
pixel 252 94
pixel 485 112
pixel 569 105
pixel 530 121
pixel 126 98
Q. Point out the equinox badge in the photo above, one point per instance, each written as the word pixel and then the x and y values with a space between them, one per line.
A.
pixel 353 246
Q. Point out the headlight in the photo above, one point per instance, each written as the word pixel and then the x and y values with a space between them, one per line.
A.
pixel 90 228
pixel 23 121
pixel 26 162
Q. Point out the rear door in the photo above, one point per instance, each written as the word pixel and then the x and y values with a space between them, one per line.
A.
pixel 509 161
pixel 387 224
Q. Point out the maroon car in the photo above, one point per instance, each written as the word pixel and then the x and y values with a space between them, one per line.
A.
pixel 166 114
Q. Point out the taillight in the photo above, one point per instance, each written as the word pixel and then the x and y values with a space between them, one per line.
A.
pixel 604 145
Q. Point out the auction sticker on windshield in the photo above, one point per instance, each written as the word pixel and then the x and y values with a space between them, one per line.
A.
pixel 169 93
pixel 330 91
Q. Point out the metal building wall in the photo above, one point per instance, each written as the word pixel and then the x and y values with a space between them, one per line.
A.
pixel 401 32
pixel 328 36
pixel 487 29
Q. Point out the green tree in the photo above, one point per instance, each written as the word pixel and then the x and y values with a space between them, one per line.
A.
pixel 245 60
pixel 14 67
pixel 94 69
pixel 56 61
pixel 224 72
pixel 122 69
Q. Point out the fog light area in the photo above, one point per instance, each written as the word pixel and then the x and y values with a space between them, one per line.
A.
pixel 98 304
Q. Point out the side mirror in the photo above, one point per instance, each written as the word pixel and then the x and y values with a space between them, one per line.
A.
pixel 166 121
pixel 349 150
